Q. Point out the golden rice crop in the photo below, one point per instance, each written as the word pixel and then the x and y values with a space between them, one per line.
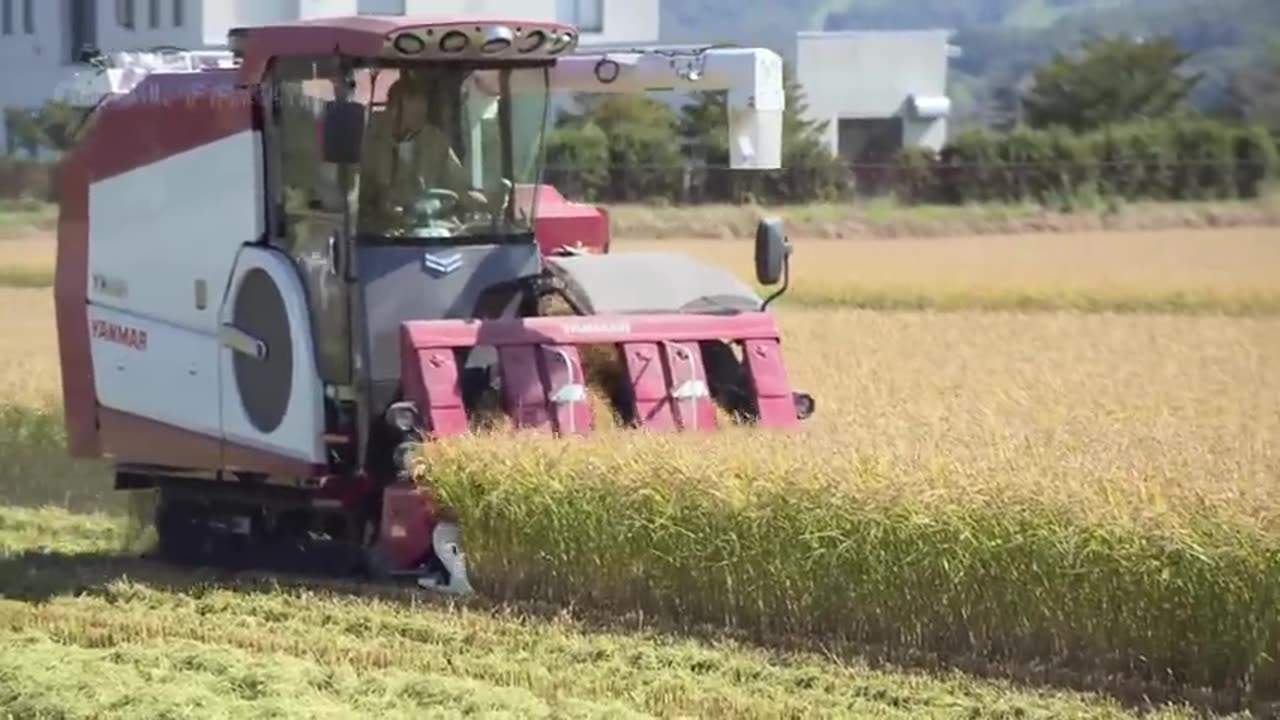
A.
pixel 1235 270
pixel 29 353
pixel 1230 270
pixel 1090 490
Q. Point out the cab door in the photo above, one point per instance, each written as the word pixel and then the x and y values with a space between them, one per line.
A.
pixel 311 209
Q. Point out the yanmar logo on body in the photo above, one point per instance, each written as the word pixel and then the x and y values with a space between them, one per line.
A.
pixel 597 328
pixel 119 334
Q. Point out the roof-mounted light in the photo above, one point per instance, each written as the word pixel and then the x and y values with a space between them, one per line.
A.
pixel 409 44
pixel 561 41
pixel 454 41
pixel 532 40
pixel 497 38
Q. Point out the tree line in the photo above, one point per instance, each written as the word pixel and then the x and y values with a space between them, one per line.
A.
pixel 1084 129
pixel 1111 120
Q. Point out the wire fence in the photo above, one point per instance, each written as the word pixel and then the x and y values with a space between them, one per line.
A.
pixel 934 182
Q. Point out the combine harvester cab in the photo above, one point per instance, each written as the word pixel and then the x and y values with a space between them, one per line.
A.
pixel 282 267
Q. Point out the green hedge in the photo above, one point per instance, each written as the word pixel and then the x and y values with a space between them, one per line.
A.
pixel 1159 161
pixel 1170 160
pixel 22 179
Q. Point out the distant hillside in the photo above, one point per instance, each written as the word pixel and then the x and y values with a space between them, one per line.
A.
pixel 1002 40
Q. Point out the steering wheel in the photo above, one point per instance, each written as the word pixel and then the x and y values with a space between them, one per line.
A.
pixel 448 199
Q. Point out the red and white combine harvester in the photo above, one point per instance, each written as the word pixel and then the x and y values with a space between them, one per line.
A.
pixel 283 266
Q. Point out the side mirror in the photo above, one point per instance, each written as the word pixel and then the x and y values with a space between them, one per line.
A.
pixel 772 251
pixel 343 131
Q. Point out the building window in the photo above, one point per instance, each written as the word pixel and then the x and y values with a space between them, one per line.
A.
pixel 6 17
pixel 125 14
pixel 382 7
pixel 153 13
pixel 29 17
pixel 586 15
pixel 178 7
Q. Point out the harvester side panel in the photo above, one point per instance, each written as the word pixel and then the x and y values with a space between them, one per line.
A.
pixel 432 375
pixel 763 357
pixel 662 354
pixel 157 196
pixel 648 386
pixel 566 388
pixel 523 394
pixel 687 380
pixel 273 403
pixel 544 389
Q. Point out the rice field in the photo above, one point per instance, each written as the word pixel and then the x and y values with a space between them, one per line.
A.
pixel 1190 271
pixel 1040 496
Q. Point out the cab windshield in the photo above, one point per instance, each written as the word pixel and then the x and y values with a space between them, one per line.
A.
pixel 451 153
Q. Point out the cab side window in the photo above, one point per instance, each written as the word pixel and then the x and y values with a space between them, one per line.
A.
pixel 310 194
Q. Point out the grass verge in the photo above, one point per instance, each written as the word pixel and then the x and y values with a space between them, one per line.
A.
pixel 35 469
pixel 817 542
pixel 22 217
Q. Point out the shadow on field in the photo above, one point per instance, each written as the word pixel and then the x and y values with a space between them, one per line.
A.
pixel 40 577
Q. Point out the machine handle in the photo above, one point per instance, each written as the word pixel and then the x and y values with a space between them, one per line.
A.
pixel 333 254
pixel 242 342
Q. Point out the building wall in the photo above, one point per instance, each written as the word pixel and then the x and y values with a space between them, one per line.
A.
pixel 869 75
pixel 36 63
pixel 31 60
pixel 599 21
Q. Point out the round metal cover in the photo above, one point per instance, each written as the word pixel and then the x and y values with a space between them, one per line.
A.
pixel 264 385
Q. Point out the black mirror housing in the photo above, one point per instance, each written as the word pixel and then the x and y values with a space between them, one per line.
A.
pixel 343 132
pixel 772 251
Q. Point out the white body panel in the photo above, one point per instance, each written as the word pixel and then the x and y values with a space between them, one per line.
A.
pixel 154 232
pixel 300 433
pixel 158 230
pixel 155 370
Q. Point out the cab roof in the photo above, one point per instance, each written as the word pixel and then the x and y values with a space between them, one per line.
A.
pixel 401 37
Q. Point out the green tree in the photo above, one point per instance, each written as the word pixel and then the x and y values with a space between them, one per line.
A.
pixel 643 147
pixel 58 124
pixel 1114 80
pixel 809 171
pixel 1254 91
pixel 22 132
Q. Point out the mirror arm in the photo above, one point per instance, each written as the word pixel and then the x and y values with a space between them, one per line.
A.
pixel 786 280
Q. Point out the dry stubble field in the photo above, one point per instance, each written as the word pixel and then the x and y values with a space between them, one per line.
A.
pixel 1004 490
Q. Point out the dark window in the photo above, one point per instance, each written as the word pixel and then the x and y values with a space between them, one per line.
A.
pixel 6 17
pixel 586 15
pixel 125 16
pixel 869 145
pixel 29 17
pixel 178 7
pixel 81 28
pixel 313 205
pixel 153 13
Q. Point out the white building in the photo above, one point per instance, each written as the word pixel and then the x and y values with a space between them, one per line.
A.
pixel 41 39
pixel 877 90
